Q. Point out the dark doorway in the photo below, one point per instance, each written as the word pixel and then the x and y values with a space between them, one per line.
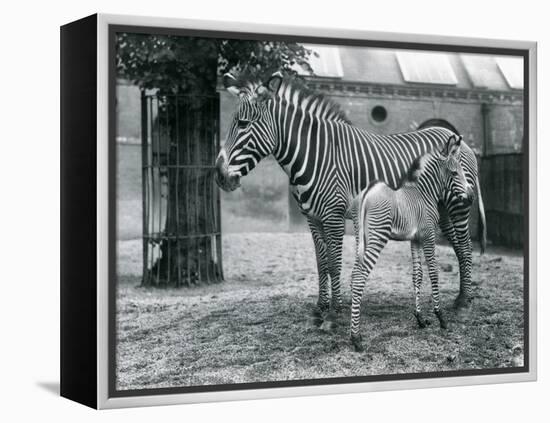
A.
pixel 438 122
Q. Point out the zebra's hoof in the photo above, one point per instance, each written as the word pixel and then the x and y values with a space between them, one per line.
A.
pixel 321 309
pixel 442 322
pixel 316 312
pixel 318 321
pixel 336 307
pixel 357 341
pixel 462 301
pixel 422 323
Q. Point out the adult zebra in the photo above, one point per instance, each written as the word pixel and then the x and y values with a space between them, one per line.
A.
pixel 329 161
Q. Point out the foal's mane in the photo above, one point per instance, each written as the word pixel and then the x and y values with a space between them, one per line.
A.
pixel 416 169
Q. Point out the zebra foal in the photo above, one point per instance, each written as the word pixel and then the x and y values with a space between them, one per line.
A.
pixel 409 213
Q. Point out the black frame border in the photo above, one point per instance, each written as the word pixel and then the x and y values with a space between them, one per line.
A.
pixel 78 211
pixel 113 29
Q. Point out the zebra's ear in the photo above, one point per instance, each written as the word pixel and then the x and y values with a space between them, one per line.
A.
pixel 230 84
pixel 452 146
pixel 274 82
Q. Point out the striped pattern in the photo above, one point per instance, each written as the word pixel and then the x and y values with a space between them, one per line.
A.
pixel 328 162
pixel 409 213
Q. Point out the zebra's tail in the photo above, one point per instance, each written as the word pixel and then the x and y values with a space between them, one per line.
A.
pixel 482 223
pixel 359 216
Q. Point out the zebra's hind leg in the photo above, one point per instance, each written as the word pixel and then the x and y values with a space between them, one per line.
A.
pixel 358 278
pixel 417 282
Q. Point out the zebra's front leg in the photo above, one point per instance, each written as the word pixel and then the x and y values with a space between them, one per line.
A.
pixel 417 282
pixel 334 229
pixel 317 232
pixel 465 296
pixel 455 227
pixel 431 261
pixel 460 218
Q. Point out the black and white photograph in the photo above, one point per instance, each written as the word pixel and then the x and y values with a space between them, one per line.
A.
pixel 279 211
pixel 297 211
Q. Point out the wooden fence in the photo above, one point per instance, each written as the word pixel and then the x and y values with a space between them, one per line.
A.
pixel 502 190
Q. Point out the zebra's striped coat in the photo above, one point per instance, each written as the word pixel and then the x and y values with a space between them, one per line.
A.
pixel 328 162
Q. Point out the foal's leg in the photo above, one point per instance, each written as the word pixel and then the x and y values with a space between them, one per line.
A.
pixel 429 255
pixel 361 270
pixel 417 282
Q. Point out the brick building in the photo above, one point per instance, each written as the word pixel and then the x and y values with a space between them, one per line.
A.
pixel 387 91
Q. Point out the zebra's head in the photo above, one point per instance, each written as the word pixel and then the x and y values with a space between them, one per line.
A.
pixel 252 134
pixel 451 170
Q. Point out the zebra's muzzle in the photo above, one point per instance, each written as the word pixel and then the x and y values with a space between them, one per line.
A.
pixel 467 198
pixel 224 180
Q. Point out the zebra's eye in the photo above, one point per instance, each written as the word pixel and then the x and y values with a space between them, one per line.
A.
pixel 242 124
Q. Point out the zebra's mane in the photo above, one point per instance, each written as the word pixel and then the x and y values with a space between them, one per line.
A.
pixel 295 91
pixel 299 94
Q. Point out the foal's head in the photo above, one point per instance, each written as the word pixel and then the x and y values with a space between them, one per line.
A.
pixel 440 171
pixel 451 172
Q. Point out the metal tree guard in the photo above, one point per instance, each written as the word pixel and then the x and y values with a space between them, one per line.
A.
pixel 181 202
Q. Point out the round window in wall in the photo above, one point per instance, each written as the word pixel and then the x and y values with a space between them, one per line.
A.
pixel 379 113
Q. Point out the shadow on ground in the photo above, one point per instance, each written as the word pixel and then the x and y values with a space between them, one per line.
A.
pixel 51 387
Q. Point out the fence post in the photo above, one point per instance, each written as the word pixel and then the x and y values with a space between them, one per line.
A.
pixel 485 119
pixel 144 192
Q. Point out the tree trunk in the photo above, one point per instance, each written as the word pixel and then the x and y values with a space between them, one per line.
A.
pixel 187 236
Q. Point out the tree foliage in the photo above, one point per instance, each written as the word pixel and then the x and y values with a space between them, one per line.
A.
pixel 191 65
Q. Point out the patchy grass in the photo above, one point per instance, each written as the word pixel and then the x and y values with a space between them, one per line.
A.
pixel 257 325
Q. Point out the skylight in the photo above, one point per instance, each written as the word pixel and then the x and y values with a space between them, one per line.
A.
pixel 426 68
pixel 512 69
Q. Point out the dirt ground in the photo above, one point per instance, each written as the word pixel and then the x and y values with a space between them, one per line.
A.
pixel 257 325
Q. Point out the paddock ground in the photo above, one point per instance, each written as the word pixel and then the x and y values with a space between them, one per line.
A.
pixel 257 325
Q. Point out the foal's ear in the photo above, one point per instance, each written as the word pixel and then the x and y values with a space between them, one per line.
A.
pixel 231 85
pixel 452 146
